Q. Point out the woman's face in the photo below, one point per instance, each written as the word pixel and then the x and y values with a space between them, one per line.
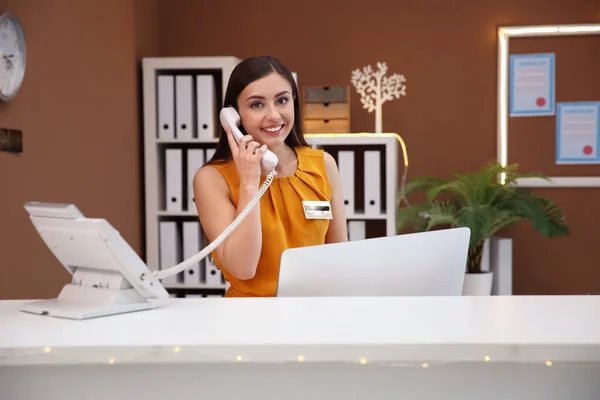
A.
pixel 266 109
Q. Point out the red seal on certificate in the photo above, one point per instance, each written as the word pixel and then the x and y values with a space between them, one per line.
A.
pixel 541 102
pixel 587 150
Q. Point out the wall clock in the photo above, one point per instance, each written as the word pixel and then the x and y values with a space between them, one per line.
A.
pixel 12 56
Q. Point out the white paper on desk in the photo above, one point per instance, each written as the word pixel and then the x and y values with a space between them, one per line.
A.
pixel 531 84
pixel 578 133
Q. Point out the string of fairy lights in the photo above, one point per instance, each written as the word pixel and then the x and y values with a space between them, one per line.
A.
pixel 163 352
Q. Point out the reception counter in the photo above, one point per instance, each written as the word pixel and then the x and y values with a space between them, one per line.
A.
pixel 545 347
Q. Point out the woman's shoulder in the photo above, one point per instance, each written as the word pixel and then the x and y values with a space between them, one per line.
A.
pixel 318 157
pixel 307 151
pixel 225 168
pixel 215 173
pixel 219 164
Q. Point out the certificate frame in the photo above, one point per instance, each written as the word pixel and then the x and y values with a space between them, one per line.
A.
pixel 504 35
pixel 516 110
pixel 578 107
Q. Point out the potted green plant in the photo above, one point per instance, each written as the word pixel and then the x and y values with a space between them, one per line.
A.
pixel 481 202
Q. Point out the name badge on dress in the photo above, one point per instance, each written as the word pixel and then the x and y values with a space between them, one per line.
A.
pixel 317 209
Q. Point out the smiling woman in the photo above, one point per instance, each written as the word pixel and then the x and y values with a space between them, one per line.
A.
pixel 265 95
pixel 12 56
pixel 267 112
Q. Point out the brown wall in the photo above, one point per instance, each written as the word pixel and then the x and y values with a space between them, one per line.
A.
pixel 79 107
pixel 78 110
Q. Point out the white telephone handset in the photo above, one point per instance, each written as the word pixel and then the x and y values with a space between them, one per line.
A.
pixel 229 116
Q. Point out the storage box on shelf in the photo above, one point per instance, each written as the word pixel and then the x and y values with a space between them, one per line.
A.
pixel 326 109
pixel 181 101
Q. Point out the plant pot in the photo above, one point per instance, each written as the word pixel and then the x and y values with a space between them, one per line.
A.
pixel 478 284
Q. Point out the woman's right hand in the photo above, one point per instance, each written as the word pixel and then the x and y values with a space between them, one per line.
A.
pixel 247 155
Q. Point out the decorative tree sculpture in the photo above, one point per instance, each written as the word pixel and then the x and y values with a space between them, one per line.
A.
pixel 375 89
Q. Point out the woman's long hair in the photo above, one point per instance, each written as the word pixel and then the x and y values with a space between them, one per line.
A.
pixel 246 72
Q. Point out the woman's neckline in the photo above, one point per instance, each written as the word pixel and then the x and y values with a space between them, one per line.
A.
pixel 293 174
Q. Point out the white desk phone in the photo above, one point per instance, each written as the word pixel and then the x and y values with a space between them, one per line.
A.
pixel 108 276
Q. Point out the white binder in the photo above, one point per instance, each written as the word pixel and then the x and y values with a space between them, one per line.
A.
pixel 372 182
pixel 183 107
pixel 205 108
pixel 170 249
pixel 346 168
pixel 195 160
pixel 191 247
pixel 357 230
pixel 173 179
pixel 166 107
pixel 213 274
pixel 209 153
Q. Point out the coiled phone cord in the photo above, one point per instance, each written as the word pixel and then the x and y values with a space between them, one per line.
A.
pixel 161 274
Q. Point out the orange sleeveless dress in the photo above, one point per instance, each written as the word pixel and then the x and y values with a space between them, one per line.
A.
pixel 282 219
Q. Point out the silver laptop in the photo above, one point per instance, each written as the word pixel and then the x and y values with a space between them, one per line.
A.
pixel 416 264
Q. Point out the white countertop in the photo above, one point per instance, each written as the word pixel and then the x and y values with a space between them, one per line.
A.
pixel 531 329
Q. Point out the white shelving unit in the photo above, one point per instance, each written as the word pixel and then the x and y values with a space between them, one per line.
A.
pixel 165 118
pixel 371 195
pixel 161 99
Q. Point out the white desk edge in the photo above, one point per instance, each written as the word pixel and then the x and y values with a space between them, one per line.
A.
pixel 531 329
